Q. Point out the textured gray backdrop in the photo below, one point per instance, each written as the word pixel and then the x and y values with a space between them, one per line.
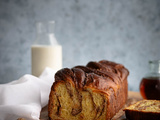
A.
pixel 124 31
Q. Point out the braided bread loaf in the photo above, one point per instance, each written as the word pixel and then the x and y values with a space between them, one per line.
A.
pixel 96 91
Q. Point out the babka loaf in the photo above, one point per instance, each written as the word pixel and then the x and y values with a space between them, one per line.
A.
pixel 144 110
pixel 96 91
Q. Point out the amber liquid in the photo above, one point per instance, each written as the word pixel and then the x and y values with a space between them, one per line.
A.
pixel 150 88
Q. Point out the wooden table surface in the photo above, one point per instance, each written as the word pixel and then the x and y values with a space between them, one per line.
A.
pixel 132 98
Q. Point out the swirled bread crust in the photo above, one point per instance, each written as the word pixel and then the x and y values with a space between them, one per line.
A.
pixel 96 91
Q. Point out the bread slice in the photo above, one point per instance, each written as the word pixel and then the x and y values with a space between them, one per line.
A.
pixel 96 91
pixel 144 110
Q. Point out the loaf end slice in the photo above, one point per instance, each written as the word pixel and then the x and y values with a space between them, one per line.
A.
pixel 143 110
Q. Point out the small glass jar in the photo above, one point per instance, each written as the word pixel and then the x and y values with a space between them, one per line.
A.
pixel 150 84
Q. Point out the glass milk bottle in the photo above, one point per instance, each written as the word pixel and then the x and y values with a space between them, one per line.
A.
pixel 46 52
pixel 150 83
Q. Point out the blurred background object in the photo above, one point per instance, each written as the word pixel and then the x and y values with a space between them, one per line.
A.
pixel 124 31
pixel 45 51
pixel 150 83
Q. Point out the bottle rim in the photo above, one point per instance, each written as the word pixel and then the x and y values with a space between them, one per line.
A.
pixel 154 61
pixel 45 27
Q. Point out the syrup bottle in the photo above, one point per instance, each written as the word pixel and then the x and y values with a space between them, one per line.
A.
pixel 150 84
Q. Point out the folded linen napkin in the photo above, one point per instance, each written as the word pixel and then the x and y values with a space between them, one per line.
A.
pixel 25 97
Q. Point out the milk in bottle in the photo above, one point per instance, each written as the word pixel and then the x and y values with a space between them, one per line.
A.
pixel 46 52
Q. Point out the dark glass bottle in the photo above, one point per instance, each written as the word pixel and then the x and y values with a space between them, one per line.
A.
pixel 150 84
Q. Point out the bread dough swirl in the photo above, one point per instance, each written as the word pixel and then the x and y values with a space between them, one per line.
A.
pixel 92 92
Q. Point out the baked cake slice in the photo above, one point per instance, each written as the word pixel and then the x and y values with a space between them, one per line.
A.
pixel 144 110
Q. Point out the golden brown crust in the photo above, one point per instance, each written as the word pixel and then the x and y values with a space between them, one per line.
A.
pixel 105 78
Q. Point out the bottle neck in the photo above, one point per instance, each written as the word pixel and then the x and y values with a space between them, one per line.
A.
pixel 46 39
pixel 45 34
pixel 154 69
pixel 154 66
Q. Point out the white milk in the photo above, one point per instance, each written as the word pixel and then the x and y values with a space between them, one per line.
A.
pixel 46 56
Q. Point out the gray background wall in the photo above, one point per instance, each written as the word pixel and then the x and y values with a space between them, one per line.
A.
pixel 124 31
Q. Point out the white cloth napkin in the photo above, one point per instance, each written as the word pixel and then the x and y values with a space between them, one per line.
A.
pixel 25 97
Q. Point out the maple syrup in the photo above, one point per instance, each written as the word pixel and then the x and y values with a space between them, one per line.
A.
pixel 150 88
pixel 150 84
